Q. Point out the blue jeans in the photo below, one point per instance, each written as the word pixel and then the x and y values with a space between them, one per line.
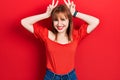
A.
pixel 52 76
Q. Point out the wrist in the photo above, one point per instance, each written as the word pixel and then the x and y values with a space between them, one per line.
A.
pixel 75 13
pixel 46 15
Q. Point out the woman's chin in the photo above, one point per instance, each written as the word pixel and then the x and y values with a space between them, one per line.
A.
pixel 61 31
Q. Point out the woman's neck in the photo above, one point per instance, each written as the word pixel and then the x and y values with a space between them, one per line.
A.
pixel 62 35
pixel 62 38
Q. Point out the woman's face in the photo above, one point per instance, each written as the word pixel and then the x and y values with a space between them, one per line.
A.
pixel 61 23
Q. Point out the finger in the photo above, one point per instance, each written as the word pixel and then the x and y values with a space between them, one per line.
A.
pixel 50 6
pixel 56 3
pixel 68 1
pixel 72 4
pixel 53 2
pixel 65 2
pixel 47 7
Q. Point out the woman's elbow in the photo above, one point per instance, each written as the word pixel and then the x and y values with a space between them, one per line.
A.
pixel 23 22
pixel 97 21
pixel 26 25
pixel 93 25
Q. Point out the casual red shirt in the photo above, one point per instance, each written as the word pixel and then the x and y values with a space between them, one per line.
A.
pixel 60 57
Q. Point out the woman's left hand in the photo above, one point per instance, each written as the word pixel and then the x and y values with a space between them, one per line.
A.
pixel 51 7
pixel 71 6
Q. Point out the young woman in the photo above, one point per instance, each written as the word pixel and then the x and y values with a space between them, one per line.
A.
pixel 61 42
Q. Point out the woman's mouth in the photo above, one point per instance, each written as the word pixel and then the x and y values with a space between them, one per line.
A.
pixel 60 27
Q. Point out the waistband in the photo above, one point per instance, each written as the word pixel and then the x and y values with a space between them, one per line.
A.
pixel 54 75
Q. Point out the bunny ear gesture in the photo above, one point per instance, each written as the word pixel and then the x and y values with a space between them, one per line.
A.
pixel 54 4
pixel 51 7
pixel 70 5
pixel 67 3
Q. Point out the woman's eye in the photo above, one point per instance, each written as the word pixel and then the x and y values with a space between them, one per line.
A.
pixel 63 19
pixel 55 19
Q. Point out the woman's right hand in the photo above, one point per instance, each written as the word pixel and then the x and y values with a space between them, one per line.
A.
pixel 51 7
pixel 70 5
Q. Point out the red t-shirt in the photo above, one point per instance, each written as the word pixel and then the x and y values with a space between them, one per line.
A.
pixel 60 57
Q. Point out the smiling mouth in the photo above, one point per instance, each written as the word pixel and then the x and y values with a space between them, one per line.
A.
pixel 60 27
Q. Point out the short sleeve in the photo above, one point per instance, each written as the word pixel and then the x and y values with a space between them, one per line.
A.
pixel 81 32
pixel 40 32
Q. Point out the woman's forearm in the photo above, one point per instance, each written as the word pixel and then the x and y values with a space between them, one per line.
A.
pixel 33 19
pixel 87 18
pixel 29 21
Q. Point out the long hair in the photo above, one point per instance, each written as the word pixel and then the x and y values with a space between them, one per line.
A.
pixel 65 10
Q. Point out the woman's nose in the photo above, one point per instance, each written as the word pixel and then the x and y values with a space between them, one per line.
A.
pixel 59 23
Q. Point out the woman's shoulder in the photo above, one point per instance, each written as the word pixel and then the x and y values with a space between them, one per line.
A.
pixel 51 35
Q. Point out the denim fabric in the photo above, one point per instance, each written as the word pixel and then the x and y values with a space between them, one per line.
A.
pixel 52 76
